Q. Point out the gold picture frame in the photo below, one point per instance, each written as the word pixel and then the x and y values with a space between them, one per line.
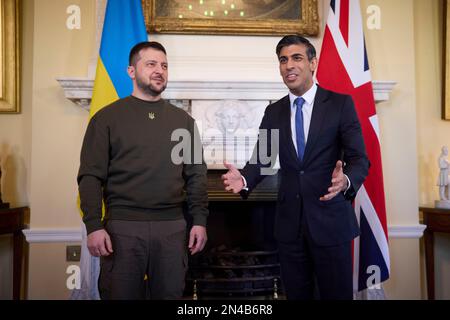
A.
pixel 446 91
pixel 9 56
pixel 232 17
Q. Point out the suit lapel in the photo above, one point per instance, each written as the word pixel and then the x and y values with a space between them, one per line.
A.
pixel 318 115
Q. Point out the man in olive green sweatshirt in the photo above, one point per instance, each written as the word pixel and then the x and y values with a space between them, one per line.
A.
pixel 127 161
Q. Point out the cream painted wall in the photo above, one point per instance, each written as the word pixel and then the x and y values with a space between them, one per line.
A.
pixel 433 132
pixel 404 282
pixel 57 132
pixel 58 125
pixel 391 59
pixel 51 283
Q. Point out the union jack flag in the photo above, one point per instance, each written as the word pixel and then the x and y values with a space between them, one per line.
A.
pixel 344 68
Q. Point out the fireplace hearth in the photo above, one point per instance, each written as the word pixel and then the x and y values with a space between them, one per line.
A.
pixel 235 273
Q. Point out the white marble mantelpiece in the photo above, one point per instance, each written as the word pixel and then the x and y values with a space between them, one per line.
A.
pixel 79 90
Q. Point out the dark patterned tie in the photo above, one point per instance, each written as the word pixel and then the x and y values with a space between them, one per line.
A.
pixel 299 127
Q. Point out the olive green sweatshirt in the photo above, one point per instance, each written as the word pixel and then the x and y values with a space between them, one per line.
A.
pixel 129 160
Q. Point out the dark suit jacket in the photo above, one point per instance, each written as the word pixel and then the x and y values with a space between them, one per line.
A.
pixel 335 133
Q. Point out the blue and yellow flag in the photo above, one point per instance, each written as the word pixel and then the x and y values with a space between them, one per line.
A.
pixel 123 28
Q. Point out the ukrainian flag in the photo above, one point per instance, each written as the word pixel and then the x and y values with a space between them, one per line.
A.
pixel 123 28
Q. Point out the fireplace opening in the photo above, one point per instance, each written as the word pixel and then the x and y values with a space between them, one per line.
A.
pixel 240 259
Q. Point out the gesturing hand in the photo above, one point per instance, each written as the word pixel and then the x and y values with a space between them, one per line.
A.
pixel 232 179
pixel 339 182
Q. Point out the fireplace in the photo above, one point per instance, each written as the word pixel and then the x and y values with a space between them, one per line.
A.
pixel 240 259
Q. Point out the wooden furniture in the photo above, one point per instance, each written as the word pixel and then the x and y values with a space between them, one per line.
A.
pixel 436 220
pixel 12 220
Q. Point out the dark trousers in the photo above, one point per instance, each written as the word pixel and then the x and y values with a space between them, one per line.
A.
pixel 306 267
pixel 149 260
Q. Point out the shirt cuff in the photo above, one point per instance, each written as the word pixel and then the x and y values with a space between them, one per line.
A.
pixel 348 184
pixel 245 183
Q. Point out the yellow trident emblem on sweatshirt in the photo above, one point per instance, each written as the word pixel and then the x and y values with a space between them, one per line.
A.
pixel 151 115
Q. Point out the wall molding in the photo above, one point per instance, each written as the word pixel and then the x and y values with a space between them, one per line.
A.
pixel 79 90
pixel 36 235
pixel 406 231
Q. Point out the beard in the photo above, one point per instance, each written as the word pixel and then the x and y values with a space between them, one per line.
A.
pixel 149 88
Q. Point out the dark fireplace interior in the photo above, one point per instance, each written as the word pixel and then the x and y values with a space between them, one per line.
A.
pixel 240 259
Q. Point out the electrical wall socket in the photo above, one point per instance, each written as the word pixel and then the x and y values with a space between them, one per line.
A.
pixel 73 253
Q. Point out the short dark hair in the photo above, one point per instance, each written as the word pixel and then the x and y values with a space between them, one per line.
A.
pixel 295 39
pixel 134 53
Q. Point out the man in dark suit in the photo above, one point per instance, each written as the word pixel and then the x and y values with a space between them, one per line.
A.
pixel 323 164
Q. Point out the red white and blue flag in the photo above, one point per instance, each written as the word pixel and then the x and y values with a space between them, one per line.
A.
pixel 344 68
